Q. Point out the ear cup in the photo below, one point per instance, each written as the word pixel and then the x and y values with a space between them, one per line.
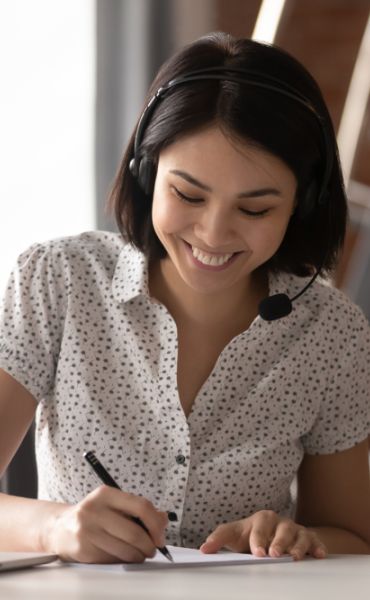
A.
pixel 133 167
pixel 308 201
pixel 144 172
pixel 146 175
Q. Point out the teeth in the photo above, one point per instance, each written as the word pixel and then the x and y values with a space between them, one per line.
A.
pixel 210 259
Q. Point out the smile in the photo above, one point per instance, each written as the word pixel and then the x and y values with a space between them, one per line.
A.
pixel 210 261
pixel 214 260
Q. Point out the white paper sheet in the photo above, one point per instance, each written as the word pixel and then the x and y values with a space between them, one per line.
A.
pixel 189 557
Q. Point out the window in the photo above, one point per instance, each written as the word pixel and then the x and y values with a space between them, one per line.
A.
pixel 47 102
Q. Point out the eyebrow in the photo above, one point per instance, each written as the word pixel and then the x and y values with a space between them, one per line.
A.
pixel 257 193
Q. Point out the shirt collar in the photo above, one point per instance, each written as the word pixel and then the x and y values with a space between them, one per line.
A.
pixel 130 278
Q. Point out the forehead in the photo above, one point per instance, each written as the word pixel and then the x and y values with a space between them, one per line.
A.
pixel 213 153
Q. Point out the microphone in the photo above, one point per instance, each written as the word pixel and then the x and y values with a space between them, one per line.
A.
pixel 280 305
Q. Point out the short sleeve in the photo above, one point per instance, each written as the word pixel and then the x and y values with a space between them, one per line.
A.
pixel 344 416
pixel 31 319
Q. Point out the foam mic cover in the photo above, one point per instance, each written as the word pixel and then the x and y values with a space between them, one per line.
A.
pixel 275 307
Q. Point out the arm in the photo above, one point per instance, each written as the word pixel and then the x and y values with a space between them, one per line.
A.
pixel 94 530
pixel 334 499
pixel 20 530
pixel 17 409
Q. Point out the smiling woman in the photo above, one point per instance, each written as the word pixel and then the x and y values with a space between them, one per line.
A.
pixel 150 346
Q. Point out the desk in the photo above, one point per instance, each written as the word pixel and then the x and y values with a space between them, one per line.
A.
pixel 335 578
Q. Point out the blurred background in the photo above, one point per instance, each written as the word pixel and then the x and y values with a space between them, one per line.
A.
pixel 73 79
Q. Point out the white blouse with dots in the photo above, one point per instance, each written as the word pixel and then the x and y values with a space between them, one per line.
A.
pixel 79 330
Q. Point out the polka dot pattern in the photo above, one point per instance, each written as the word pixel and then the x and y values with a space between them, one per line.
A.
pixel 79 330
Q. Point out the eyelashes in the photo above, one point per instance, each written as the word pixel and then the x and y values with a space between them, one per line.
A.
pixel 188 199
pixel 192 200
pixel 254 213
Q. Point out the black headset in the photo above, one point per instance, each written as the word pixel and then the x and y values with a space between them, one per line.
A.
pixel 143 168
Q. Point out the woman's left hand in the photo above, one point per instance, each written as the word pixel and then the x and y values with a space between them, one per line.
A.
pixel 265 533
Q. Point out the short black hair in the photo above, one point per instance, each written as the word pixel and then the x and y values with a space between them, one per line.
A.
pixel 271 121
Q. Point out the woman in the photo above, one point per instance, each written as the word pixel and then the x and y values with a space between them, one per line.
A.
pixel 157 347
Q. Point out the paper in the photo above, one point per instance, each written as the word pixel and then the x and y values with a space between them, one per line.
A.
pixel 189 557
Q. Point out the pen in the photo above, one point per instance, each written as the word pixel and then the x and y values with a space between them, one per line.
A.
pixel 104 476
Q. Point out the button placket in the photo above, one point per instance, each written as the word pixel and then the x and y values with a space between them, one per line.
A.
pixel 178 455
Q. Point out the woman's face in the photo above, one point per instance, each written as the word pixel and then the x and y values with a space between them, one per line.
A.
pixel 221 208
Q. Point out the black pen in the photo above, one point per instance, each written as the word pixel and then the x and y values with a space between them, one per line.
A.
pixel 104 476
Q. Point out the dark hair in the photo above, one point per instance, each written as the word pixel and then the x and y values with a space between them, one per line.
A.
pixel 263 117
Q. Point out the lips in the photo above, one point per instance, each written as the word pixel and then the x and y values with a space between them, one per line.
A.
pixel 210 261
pixel 214 260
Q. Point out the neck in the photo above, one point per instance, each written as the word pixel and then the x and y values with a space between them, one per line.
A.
pixel 189 306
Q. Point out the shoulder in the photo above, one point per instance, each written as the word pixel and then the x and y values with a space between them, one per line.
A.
pixel 99 244
pixel 73 253
pixel 333 306
pixel 326 318
pixel 59 267
pixel 324 303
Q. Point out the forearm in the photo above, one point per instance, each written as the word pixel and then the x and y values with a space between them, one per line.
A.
pixel 341 541
pixel 25 523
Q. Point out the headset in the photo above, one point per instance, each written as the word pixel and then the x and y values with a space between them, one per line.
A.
pixel 143 168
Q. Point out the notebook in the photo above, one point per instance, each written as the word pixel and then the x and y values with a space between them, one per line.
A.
pixel 21 560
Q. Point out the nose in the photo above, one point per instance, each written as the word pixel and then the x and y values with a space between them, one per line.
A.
pixel 214 229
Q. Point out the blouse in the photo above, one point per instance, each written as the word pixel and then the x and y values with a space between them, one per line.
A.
pixel 80 331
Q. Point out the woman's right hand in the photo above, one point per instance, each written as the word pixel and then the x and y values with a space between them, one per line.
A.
pixel 99 528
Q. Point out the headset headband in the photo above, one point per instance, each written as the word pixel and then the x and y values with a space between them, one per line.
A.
pixel 243 76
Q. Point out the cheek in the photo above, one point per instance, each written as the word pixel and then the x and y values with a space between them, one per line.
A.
pixel 166 217
pixel 267 235
pixel 161 214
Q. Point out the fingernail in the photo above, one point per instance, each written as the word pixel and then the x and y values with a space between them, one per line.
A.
pixel 275 551
pixel 320 553
pixel 260 551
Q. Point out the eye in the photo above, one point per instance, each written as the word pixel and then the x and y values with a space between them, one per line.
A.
pixel 254 213
pixel 185 198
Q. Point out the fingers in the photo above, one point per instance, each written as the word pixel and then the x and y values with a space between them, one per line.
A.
pixel 294 539
pixel 100 547
pixel 307 542
pixel 125 539
pixel 265 533
pixel 283 538
pixel 262 531
pixel 100 528
pixel 252 534
pixel 224 536
pixel 135 506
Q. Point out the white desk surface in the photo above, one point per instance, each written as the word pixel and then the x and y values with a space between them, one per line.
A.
pixel 335 578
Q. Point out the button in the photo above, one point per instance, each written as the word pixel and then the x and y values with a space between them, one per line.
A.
pixel 172 516
pixel 180 459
